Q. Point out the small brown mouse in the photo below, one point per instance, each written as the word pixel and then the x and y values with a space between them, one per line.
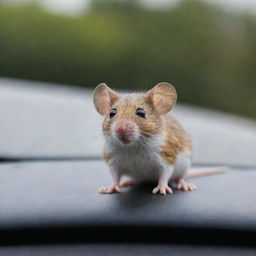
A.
pixel 142 141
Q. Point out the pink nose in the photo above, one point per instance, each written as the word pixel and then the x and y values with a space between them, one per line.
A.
pixel 122 130
pixel 125 131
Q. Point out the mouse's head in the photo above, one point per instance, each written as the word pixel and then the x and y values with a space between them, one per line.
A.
pixel 128 117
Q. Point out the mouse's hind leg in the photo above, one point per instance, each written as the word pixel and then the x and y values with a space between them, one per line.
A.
pixel 183 164
pixel 127 183
pixel 183 185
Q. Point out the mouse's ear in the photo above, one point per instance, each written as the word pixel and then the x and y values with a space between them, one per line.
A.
pixel 163 97
pixel 103 98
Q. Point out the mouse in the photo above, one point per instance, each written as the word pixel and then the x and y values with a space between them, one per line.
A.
pixel 143 141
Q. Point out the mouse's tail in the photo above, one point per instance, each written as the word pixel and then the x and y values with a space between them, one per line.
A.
pixel 205 171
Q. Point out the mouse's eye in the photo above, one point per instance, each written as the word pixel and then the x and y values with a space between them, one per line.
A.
pixel 140 112
pixel 112 112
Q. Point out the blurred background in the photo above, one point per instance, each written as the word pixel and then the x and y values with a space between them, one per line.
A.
pixel 207 49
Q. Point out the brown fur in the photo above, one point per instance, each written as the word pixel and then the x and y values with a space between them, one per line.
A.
pixel 176 139
pixel 106 156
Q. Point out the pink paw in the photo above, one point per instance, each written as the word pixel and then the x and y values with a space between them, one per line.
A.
pixel 162 189
pixel 127 183
pixel 182 185
pixel 110 190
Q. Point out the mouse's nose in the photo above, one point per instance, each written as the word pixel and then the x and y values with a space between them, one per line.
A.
pixel 121 129
pixel 125 131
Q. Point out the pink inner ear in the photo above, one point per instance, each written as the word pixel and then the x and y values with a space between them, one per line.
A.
pixel 105 107
pixel 101 100
pixel 104 98
pixel 160 106
pixel 162 98
pixel 149 96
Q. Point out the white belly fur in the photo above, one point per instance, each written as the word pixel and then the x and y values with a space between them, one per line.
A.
pixel 144 163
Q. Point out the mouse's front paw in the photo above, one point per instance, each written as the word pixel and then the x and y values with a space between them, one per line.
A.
pixel 162 189
pixel 110 190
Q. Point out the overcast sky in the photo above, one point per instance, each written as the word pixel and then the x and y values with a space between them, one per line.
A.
pixel 74 6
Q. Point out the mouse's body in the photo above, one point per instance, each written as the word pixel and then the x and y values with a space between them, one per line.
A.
pixel 143 160
pixel 141 140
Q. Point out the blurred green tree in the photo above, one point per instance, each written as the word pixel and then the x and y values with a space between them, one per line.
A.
pixel 208 54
